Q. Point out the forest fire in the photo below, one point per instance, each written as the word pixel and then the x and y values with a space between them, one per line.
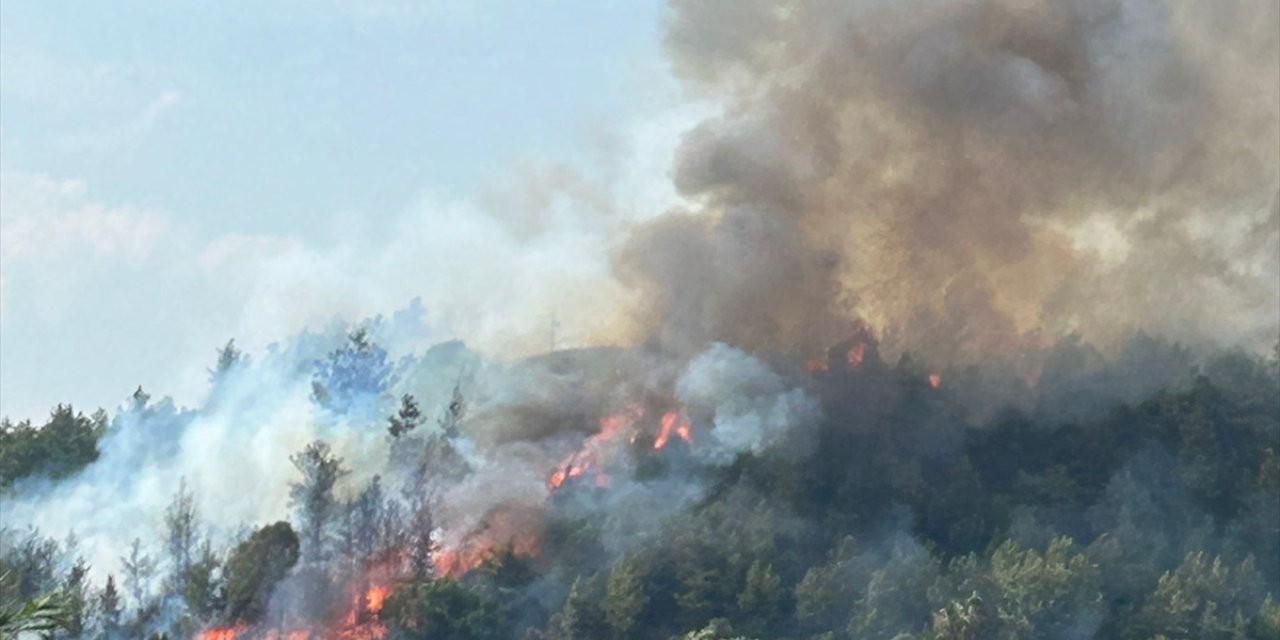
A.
pixel 588 457
pixel 296 634
pixel 457 561
pixel 855 355
pixel 221 633
pixel 673 422
pixel 360 622
pixel 1068 210
pixel 374 598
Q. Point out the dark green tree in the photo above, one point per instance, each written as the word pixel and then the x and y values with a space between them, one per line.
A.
pixel 626 597
pixel 1204 598
pixel 441 610
pixel 406 419
pixel 253 569
pixel 761 602
pixel 580 618
pixel 110 606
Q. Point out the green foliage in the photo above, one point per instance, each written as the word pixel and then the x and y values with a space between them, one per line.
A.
pixel 253 569
pixel 896 597
pixel 580 618
pixel 1268 624
pixel 626 597
pixel 1204 598
pixel 761 602
pixel 63 445
pixel 441 610
pixel 822 596
pixel 910 514
pixel 1039 595
pixel 967 619
pixel 718 629
pixel 43 614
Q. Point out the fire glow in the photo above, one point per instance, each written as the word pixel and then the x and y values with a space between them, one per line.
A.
pixel 470 555
pixel 221 633
pixel 673 422
pixel 588 457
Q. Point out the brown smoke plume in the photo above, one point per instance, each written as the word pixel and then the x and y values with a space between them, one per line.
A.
pixel 971 177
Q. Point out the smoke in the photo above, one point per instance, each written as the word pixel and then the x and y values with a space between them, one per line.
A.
pixel 974 179
pixel 971 177
pixel 750 407
pixel 232 452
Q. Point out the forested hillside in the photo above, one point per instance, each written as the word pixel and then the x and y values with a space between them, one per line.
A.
pixel 904 505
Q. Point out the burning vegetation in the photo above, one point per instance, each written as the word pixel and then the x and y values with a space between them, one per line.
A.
pixel 864 497
pixel 961 335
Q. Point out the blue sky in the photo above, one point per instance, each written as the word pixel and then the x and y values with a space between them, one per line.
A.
pixel 175 174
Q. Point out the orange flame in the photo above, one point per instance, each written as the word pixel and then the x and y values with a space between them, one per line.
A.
pixel 588 457
pixel 221 633
pixel 471 554
pixel 374 598
pixel 298 634
pixel 855 354
pixel 673 422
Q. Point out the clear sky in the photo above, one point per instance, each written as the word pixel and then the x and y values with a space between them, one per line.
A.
pixel 168 166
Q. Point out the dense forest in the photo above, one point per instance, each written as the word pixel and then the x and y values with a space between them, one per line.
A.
pixel 831 320
pixel 1135 495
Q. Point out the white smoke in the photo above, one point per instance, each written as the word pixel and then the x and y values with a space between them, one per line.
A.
pixel 750 406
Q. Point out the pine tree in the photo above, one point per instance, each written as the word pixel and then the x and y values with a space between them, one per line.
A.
pixel 76 593
pixel 453 413
pixel 229 357
pixel 406 419
pixel 313 495
pixel 580 618
pixel 626 597
pixel 139 570
pixel 109 607
pixel 181 539
pixel 761 597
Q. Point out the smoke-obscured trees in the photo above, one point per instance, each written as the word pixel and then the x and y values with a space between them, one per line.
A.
pixel 253 569
pixel 441 609
pixel 313 496
pixel 352 379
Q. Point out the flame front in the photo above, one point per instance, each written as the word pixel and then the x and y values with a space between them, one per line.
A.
pixel 588 457
pixel 856 354
pixel 221 633
pixel 471 554
pixel 673 422
pixel 374 598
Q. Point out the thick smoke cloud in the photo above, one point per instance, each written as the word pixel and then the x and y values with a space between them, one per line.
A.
pixel 971 177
